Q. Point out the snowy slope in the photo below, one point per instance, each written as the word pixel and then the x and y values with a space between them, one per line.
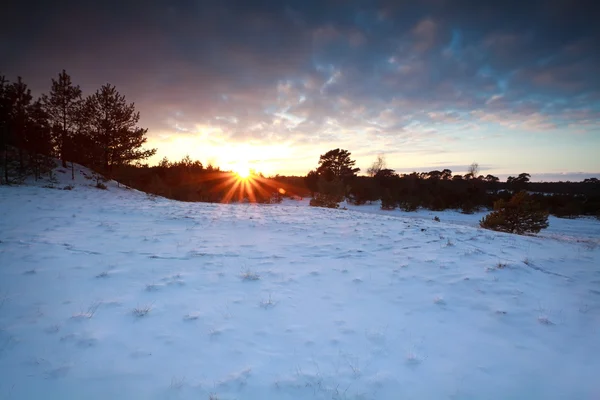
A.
pixel 115 294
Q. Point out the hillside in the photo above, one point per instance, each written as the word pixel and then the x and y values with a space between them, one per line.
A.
pixel 116 294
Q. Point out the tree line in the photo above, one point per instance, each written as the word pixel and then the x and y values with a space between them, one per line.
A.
pixel 336 178
pixel 99 131
pixel 189 180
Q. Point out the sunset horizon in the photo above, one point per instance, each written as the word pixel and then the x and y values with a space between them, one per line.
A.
pixel 275 85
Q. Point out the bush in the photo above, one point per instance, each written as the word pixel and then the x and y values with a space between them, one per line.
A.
pixel 519 215
pixel 438 204
pixel 324 200
pixel 387 203
pixel 409 204
pixel 570 210
pixel 468 208
pixel 334 189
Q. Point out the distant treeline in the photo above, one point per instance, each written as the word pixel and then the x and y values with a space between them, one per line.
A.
pixel 336 178
pixel 189 180
pixel 412 191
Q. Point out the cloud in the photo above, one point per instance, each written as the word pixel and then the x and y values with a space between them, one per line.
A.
pixel 425 34
pixel 425 74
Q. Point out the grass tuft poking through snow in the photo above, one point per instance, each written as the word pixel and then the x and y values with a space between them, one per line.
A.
pixel 268 303
pixel 89 313
pixel 249 275
pixel 142 311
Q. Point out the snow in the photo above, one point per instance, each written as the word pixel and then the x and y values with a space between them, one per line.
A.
pixel 117 294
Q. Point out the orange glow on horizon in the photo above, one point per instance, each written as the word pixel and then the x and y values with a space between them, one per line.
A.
pixel 242 170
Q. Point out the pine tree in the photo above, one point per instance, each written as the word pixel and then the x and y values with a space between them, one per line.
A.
pixel 62 106
pixel 337 165
pixel 19 97
pixel 4 126
pixel 38 140
pixel 113 130
pixel 519 215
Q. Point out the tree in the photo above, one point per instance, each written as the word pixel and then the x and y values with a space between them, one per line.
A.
pixel 492 182
pixel 520 182
pixel 19 98
pixel 329 194
pixel 311 180
pixel 385 173
pixel 337 165
pixel 446 174
pixel 4 125
pixel 491 178
pixel 114 134
pixel 473 169
pixel 377 166
pixel 434 175
pixel 519 215
pixel 38 140
pixel 62 106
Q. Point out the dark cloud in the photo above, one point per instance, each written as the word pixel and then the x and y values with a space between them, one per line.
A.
pixel 308 70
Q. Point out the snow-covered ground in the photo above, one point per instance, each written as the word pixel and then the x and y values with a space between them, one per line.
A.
pixel 117 295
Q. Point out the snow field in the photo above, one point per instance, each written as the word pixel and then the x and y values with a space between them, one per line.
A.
pixel 116 294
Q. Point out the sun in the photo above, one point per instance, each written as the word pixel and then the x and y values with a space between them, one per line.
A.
pixel 242 171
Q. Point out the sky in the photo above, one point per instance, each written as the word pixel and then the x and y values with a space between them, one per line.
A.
pixel 511 85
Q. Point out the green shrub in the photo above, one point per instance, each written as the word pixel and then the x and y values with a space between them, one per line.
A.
pixel 324 200
pixel 519 215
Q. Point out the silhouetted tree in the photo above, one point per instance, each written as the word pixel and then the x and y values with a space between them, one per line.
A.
pixel 337 165
pixel 311 180
pixel 388 202
pixel 113 129
pixel 377 166
pixel 38 140
pixel 364 189
pixel 446 174
pixel 518 183
pixel 20 98
pixel 491 178
pixel 473 170
pixel 4 126
pixel 62 105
